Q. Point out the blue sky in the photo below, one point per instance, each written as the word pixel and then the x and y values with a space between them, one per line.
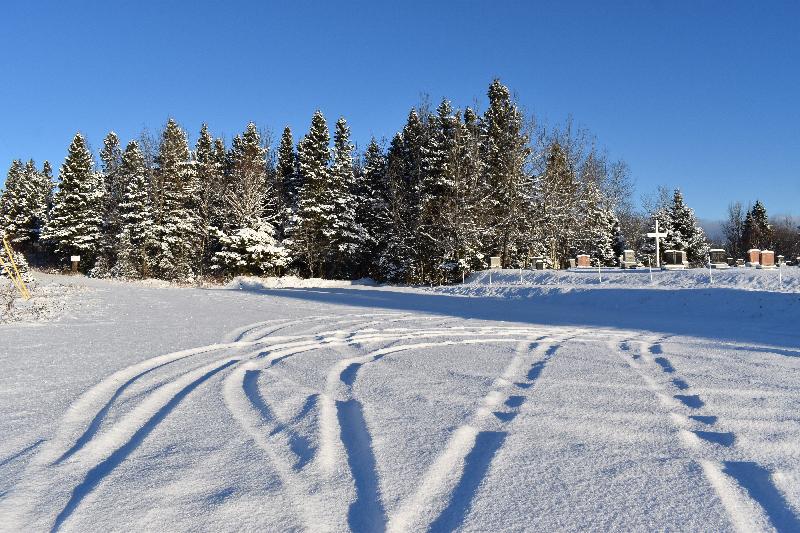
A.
pixel 704 96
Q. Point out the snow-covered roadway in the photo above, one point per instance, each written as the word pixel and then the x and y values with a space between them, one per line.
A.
pixel 371 409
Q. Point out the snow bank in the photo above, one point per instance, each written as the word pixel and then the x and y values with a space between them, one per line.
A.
pixel 508 282
pixel 293 282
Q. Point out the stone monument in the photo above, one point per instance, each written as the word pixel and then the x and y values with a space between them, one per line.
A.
pixel 753 257
pixel 767 259
pixel 674 260
pixel 717 258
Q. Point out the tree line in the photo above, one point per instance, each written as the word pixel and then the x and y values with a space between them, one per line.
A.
pixel 450 190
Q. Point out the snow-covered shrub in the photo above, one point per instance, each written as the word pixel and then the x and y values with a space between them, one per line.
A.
pixel 250 251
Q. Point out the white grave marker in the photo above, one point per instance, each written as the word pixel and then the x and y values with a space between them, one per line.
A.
pixel 656 235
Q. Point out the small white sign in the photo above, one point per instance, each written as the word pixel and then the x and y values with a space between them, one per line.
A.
pixel 75 258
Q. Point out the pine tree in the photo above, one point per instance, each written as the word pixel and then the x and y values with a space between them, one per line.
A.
pixel 757 232
pixel 175 210
pixel 210 192
pixel 306 238
pixel 372 209
pixel 406 162
pixel 137 239
pixel 683 231
pixel 13 219
pixel 288 184
pixel 74 227
pixel 344 237
pixel 43 200
pixel 598 225
pixel 505 151
pixel 554 207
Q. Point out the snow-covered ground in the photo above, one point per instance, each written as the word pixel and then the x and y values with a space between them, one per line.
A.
pixel 541 402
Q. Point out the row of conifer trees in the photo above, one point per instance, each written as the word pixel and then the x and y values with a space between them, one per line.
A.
pixel 451 189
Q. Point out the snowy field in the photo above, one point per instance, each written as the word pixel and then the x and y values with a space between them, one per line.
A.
pixel 540 402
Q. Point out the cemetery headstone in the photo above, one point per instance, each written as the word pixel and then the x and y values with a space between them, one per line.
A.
pixel 753 257
pixel 538 263
pixel 674 260
pixel 767 259
pixel 717 258
pixel 740 262
pixel 494 262
pixel 583 261
pixel 628 259
pixel 572 263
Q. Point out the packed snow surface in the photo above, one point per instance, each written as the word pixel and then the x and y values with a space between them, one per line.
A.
pixel 538 401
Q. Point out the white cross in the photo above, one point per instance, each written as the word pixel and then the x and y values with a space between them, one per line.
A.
pixel 657 235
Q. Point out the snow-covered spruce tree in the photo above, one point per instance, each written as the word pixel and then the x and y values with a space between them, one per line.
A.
pixel 505 152
pixel 343 234
pixel 249 245
pixel 43 200
pixel 24 204
pixel 13 217
pixel 469 196
pixel 175 211
pixel 307 242
pixel 598 226
pixel 372 209
pixel 209 157
pixel 757 232
pixel 137 239
pixel 683 231
pixel 554 207
pixel 113 189
pixel 436 244
pixel 287 178
pixel 405 165
pixel 74 226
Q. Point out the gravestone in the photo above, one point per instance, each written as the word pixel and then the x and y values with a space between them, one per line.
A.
pixel 731 261
pixel 740 262
pixel 767 259
pixel 717 258
pixel 494 262
pixel 571 263
pixel 781 260
pixel 674 260
pixel 583 261
pixel 753 257
pixel 538 263
pixel 628 259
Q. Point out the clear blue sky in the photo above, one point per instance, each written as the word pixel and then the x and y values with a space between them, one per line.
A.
pixel 700 95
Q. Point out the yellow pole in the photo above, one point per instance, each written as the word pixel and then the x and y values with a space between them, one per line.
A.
pixel 15 276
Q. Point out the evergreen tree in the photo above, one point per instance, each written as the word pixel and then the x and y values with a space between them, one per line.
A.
pixel 175 210
pixel 113 190
pixel 757 232
pixel 288 184
pixel 43 200
pixel 137 239
pixel 555 195
pixel 307 238
pixel 505 151
pixel 74 226
pixel 343 235
pixel 210 193
pixel 405 167
pixel 598 225
pixel 372 209
pixel 13 218
pixel 683 231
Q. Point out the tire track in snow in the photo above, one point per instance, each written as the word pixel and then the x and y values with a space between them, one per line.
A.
pixel 452 475
pixel 746 489
pixel 100 470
